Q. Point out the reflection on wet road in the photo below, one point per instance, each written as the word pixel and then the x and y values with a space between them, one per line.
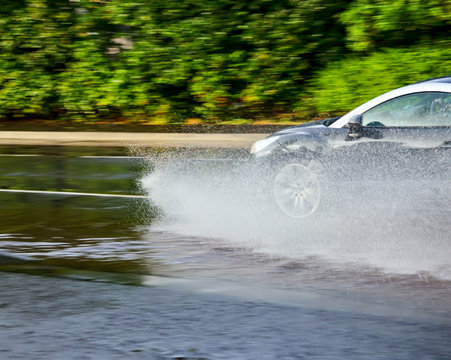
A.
pixel 216 291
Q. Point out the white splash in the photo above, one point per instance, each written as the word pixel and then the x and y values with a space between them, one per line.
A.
pixel 399 228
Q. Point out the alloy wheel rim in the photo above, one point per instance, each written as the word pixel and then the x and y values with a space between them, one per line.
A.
pixel 296 190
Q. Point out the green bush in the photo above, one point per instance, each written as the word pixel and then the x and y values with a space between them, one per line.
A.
pixel 348 83
pixel 375 24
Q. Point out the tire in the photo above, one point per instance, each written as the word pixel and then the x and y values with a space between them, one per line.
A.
pixel 296 190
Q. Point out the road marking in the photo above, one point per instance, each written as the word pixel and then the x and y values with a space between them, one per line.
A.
pixel 71 193
pixel 111 157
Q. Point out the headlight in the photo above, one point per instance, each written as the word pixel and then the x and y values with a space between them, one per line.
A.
pixel 261 144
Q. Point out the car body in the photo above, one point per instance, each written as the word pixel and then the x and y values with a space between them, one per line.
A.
pixel 402 134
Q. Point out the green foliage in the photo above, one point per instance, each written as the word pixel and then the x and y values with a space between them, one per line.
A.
pixel 346 84
pixel 34 42
pixel 168 60
pixel 223 59
pixel 372 24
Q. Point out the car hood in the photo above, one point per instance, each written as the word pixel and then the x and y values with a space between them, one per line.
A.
pixel 302 127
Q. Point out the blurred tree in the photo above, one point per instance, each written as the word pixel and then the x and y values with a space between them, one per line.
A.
pixel 169 60
pixel 218 59
pixel 86 88
pixel 348 83
pixel 35 43
pixel 392 43
pixel 372 24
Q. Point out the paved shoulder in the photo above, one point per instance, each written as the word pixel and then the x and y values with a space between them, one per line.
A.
pixel 127 139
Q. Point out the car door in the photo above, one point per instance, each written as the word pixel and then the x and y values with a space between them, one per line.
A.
pixel 406 137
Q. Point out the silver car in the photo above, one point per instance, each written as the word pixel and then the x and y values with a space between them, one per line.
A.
pixel 404 134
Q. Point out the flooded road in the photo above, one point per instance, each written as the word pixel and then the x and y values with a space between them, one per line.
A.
pixel 176 255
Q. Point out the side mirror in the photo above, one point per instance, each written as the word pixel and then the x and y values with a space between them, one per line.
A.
pixel 355 128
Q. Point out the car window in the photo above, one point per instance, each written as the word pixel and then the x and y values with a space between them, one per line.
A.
pixel 425 109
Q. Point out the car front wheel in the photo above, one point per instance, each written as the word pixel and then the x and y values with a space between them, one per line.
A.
pixel 296 190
